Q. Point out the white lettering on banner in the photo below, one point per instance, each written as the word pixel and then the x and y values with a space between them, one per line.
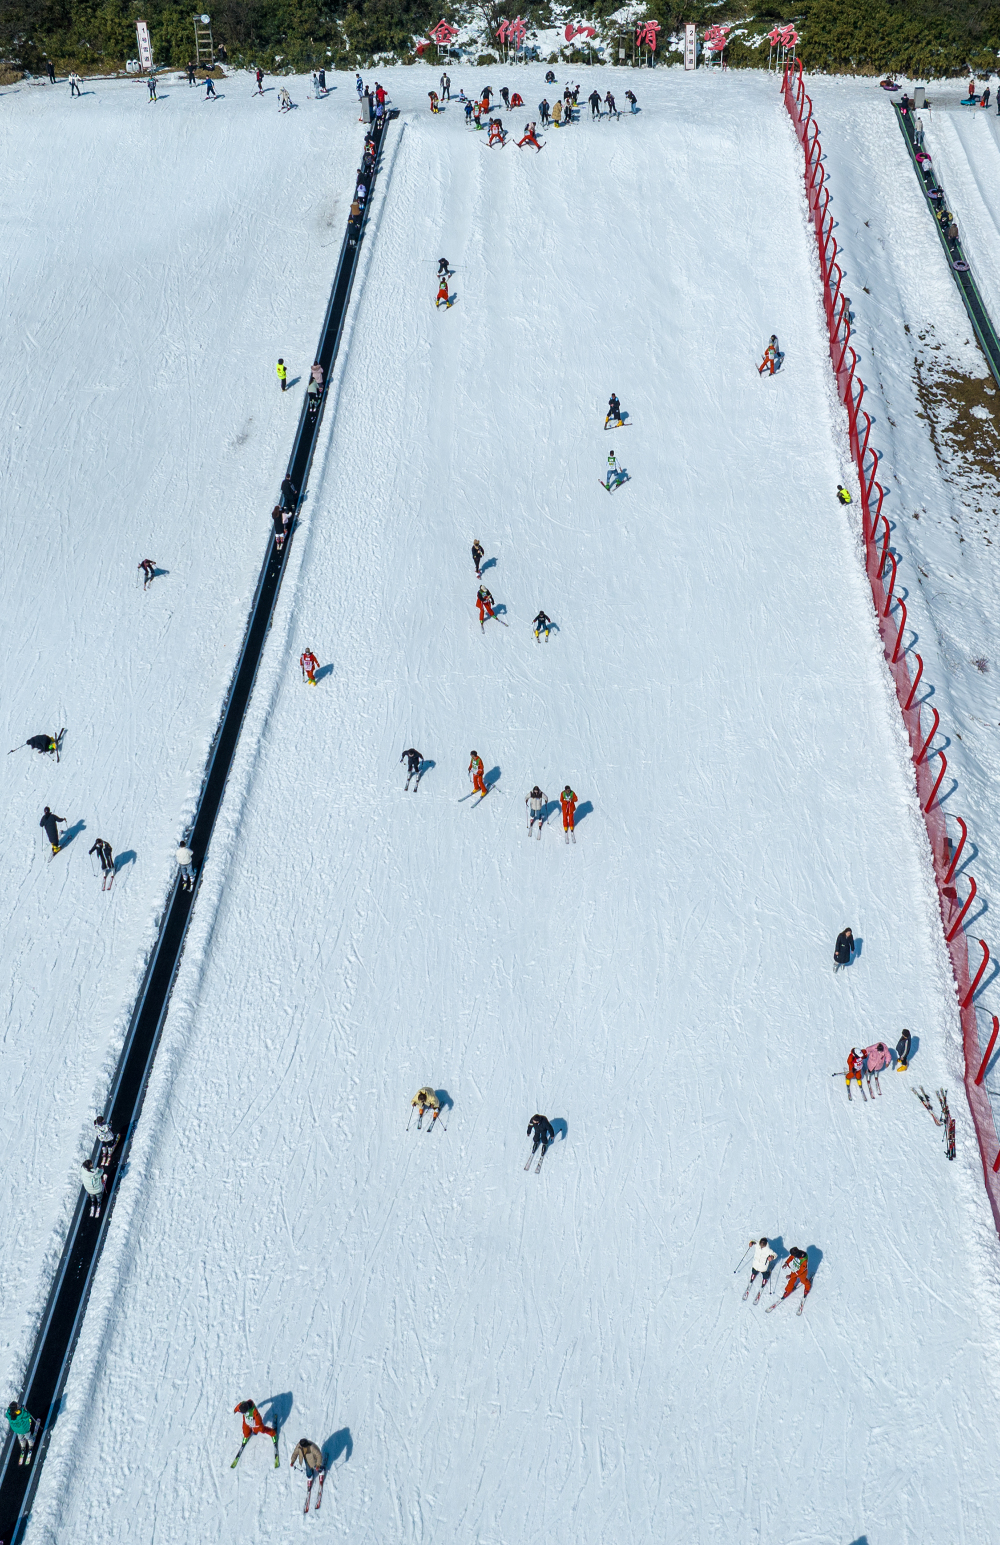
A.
pixel 690 46
pixel 145 47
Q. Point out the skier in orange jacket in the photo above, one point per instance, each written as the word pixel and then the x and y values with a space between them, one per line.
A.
pixel 253 1422
pixel 770 360
pixel 309 665
pixel 568 801
pixel 476 770
pixel 798 1274
pixel 484 602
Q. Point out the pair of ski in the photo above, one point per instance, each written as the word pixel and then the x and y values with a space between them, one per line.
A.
pixel 947 1121
pixel 431 1124
pixel 416 786
pixel 246 1440
pixel 866 1097
pixel 319 1494
pixel 108 879
pixel 568 835
pixel 620 478
pixel 771 1307
pixel 760 1290
pixel 540 825
pixel 531 1155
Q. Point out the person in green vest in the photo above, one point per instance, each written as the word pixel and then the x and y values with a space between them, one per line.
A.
pixel 25 1429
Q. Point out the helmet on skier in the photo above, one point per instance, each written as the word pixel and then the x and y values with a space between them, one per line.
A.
pixel 473 753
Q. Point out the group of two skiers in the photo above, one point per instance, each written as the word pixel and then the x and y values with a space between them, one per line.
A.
pixel 796 1265
pixel 537 804
pixel 95 1178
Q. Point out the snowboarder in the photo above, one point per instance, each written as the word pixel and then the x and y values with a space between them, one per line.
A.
pixel 770 360
pixel 93 1183
pixel 763 1259
pixel 529 137
pixel 151 83
pixel 427 1100
pixel 148 568
pixel 311 1456
pixel 25 1429
pixel 253 1423
pixel 614 411
pixel 541 1130
pixel 855 1068
pixel 595 104
pixel 107 860
pixel 536 802
pixel 185 866
pixel 413 761
pixel 903 1052
pixel 308 665
pixel 282 374
pixel 484 601
pixel 843 950
pixel 842 494
pixel 797 1267
pixel 50 825
pixel 542 624
pixel 108 1140
pixel 289 492
pixel 209 88
pixel 477 556
pixel 442 294
pixel 475 770
pixel 878 1058
pixel 568 801
pixel 278 522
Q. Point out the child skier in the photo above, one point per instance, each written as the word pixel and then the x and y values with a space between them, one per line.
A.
pixel 308 664
pixel 413 761
pixel 529 136
pixel 108 1140
pixel 855 1068
pixel 770 360
pixel 568 801
pixel 536 802
pixel 497 135
pixel 25 1429
pixel 278 522
pixel 476 772
pixel 442 294
pixel 541 624
pixel 484 602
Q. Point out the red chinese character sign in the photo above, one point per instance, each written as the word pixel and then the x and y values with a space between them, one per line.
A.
pixel 443 34
pixel 716 38
pixel 512 34
pixel 782 41
pixel 574 31
pixel 645 34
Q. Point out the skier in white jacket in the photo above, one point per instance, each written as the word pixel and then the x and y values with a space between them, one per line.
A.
pixel 93 1183
pixel 763 1259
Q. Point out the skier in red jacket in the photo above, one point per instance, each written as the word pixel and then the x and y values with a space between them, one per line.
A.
pixel 476 771
pixel 529 136
pixel 309 666
pixel 568 801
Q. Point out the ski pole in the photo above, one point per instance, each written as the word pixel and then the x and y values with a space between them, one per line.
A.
pixel 411 1118
pixel 742 1258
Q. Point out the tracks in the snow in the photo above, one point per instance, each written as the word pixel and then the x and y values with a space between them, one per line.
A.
pixel 67 1301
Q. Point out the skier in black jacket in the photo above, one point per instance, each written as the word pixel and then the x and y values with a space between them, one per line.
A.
pixel 477 556
pixel 843 950
pixel 540 1128
pixel 48 823
pixel 413 761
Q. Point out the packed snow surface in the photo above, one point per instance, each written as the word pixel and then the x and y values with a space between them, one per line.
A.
pixel 484 1353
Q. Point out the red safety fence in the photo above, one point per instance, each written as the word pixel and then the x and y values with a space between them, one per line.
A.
pixel 890 611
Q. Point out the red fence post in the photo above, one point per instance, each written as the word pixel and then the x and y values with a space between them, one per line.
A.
pixel 958 851
pixel 899 635
pixel 940 778
pixel 978 976
pixel 934 729
pixel 885 549
pixel 956 925
pixel 892 582
pixel 916 680
pixel 989 1051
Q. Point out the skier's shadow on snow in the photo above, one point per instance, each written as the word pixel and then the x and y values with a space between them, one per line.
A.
pixel 340 1443
pixel 493 776
pixel 123 859
pixel 324 670
pixel 425 766
pixel 279 1409
pixel 490 563
pixel 160 573
pixel 288 386
pixel 862 1539
pixel 815 1256
pixel 444 1099
pixel 582 811
pixel 71 832
pixel 561 1128
pixel 915 1047
pixel 499 610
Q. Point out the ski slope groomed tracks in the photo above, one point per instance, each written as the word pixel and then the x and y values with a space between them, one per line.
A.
pixel 489 1355
pixel 157 260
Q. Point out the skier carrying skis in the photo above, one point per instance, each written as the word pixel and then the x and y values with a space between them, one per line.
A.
pixel 104 853
pixel 541 1130
pixel 308 665
pixel 797 1267
pixel 568 801
pixel 148 568
pixel 413 761
pixel 477 556
pixel 25 1429
pixel 763 1259
pixel 93 1183
pixel 614 411
pixel 536 802
pixel 542 624
pixel 427 1100
pixel 108 1140
pixel 311 1456
pixel 903 1052
pixel 50 825
pixel 476 772
pixel 843 950
pixel 484 601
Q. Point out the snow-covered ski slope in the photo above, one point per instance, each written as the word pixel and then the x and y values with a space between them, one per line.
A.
pixel 156 261
pixel 491 1355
